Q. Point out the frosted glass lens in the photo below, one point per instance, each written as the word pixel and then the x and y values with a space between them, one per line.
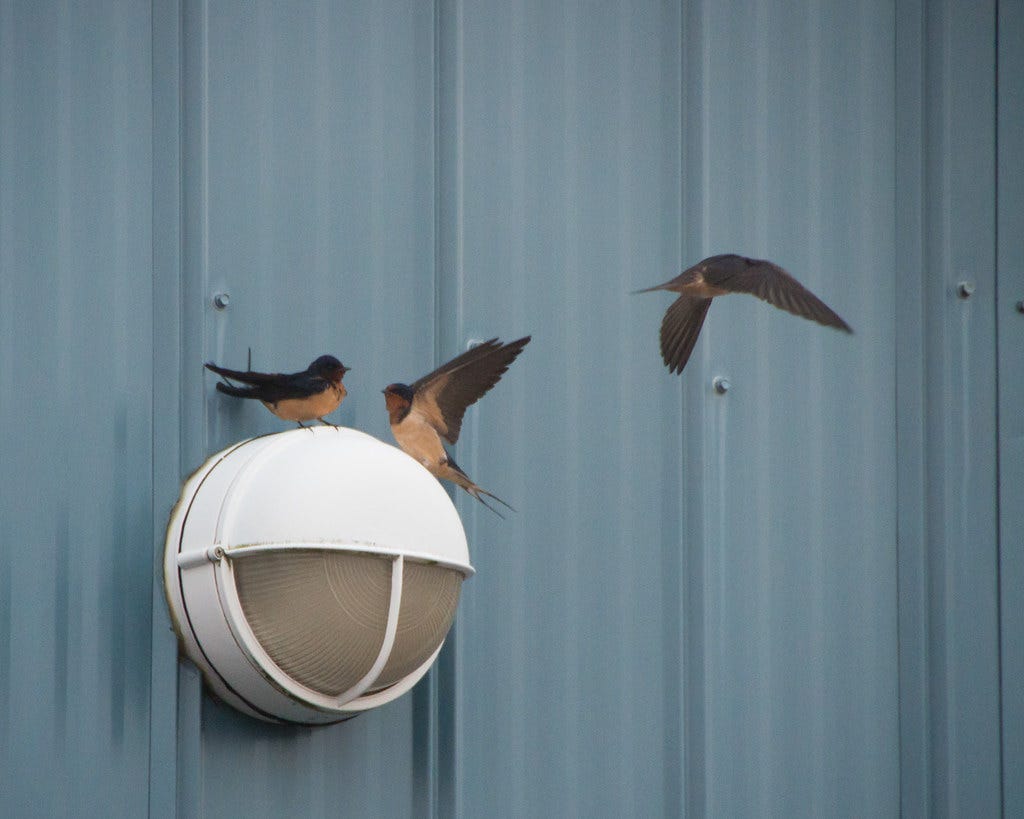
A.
pixel 321 616
pixel 429 597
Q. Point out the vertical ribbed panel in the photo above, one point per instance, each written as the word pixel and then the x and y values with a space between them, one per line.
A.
pixel 75 402
pixel 561 196
pixel 959 419
pixel 310 201
pixel 317 155
pixel 308 196
pixel 797 529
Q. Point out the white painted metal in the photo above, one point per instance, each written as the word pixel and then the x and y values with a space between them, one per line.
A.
pixel 215 553
pixel 397 574
pixel 324 489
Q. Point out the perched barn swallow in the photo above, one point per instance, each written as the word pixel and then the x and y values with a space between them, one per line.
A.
pixel 729 273
pixel 303 396
pixel 430 409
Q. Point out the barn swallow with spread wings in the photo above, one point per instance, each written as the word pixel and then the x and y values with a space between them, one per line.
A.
pixel 307 395
pixel 729 273
pixel 424 412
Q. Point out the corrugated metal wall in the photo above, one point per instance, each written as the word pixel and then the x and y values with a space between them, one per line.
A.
pixel 799 598
pixel 76 382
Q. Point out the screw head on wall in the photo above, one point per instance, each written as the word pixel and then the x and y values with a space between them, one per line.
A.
pixel 965 289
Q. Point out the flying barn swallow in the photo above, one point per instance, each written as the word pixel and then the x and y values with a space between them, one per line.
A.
pixel 423 413
pixel 718 276
pixel 303 396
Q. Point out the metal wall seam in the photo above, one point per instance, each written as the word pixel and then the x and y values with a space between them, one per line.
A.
pixel 694 241
pixel 446 777
pixel 426 695
pixel 909 358
pixel 959 409
pixel 196 314
pixel 192 156
pixel 1010 386
pixel 166 399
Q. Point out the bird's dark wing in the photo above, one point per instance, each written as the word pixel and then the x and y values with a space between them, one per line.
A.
pixel 279 388
pixel 246 377
pixel 680 328
pixel 443 396
pixel 774 285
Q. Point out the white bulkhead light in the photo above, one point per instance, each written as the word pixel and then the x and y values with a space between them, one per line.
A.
pixel 314 573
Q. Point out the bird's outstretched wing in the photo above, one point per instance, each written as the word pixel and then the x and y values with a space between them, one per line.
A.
pixel 680 328
pixel 774 285
pixel 443 396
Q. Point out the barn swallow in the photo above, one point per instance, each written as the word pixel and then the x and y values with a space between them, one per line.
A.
pixel 303 396
pixel 729 273
pixel 430 409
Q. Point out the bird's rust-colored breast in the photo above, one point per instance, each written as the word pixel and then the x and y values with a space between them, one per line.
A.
pixel 419 439
pixel 309 408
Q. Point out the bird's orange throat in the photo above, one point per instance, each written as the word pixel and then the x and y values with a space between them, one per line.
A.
pixel 398 407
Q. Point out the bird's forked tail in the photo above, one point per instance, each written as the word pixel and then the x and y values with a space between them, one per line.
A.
pixel 457 476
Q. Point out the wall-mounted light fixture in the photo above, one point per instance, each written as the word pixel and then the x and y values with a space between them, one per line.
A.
pixel 314 573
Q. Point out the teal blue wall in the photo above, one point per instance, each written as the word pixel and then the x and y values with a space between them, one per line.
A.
pixel 800 598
